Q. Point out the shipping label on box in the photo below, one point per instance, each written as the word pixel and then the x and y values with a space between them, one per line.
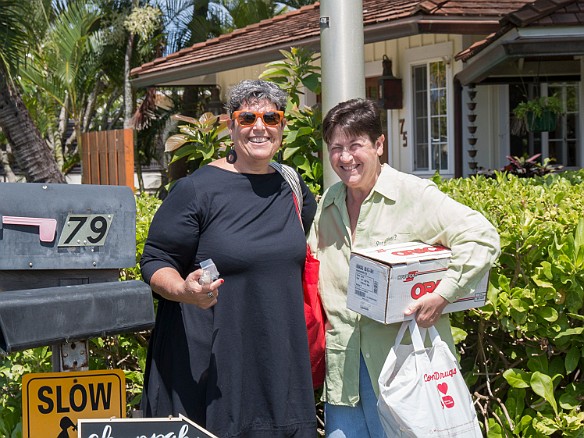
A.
pixel 384 281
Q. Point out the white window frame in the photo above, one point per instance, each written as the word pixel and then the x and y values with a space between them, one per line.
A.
pixel 423 56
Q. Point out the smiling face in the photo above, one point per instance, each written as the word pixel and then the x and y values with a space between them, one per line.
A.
pixel 256 144
pixel 355 159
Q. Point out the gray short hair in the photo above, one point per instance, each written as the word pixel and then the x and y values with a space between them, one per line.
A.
pixel 252 91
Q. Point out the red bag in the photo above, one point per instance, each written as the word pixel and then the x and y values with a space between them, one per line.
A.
pixel 315 318
pixel 313 310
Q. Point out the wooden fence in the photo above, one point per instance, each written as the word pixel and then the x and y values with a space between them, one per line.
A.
pixel 108 157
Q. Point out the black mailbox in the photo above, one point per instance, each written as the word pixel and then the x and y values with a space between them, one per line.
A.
pixel 61 249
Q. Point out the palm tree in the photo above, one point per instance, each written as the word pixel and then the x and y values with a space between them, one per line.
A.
pixel 65 61
pixel 29 148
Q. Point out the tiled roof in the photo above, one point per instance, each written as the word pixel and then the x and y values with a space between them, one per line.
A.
pixel 548 13
pixel 302 28
pixel 538 13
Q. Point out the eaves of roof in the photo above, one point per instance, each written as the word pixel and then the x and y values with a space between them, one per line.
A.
pixel 544 29
pixel 262 42
pixel 541 13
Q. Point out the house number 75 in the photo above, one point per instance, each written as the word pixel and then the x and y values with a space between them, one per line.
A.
pixel 403 133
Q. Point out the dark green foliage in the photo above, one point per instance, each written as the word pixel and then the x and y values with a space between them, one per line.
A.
pixel 522 354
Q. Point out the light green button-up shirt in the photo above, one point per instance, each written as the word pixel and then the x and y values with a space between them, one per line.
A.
pixel 400 208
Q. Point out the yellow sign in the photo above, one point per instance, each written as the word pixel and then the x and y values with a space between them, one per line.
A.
pixel 53 402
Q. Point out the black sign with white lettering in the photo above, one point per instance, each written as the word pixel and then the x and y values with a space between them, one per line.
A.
pixel 171 427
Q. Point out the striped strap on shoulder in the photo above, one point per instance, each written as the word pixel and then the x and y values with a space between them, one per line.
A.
pixel 292 177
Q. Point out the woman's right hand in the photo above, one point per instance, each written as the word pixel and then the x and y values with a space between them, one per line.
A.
pixel 168 283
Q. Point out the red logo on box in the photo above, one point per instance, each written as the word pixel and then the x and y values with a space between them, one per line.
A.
pixel 421 289
pixel 418 251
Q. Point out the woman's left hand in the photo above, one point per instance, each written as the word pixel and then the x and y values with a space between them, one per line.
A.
pixel 428 309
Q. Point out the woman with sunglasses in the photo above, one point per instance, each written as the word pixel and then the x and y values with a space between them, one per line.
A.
pixel 232 354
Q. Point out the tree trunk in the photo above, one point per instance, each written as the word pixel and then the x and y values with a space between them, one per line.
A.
pixel 60 133
pixel 29 148
pixel 128 95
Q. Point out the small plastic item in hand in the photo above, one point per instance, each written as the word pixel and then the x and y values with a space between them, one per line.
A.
pixel 210 272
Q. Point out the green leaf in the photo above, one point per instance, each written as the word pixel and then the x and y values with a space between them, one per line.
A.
pixel 517 378
pixel 538 362
pixel 186 150
pixel 572 397
pixel 458 334
pixel 495 430
pixel 571 332
pixel 307 130
pixel 291 137
pixel 572 359
pixel 275 71
pixel 289 151
pixel 302 163
pixel 576 316
pixel 548 313
pixel 515 402
pixel 579 234
pixel 545 425
pixel 579 244
pixel 547 269
pixel 525 423
pixel 542 385
pixel 312 82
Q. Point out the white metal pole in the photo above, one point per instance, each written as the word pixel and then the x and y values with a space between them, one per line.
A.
pixel 342 59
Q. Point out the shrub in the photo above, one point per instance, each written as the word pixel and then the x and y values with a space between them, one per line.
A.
pixel 522 352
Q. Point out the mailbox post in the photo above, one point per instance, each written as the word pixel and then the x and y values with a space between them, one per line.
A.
pixel 61 249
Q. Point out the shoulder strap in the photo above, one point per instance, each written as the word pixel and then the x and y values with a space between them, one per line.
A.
pixel 291 176
pixel 293 179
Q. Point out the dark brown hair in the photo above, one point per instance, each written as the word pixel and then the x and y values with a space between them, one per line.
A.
pixel 353 117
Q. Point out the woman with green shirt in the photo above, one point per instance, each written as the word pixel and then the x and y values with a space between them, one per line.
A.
pixel 376 205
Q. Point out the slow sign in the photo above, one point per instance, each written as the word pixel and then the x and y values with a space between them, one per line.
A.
pixel 52 403
pixel 172 427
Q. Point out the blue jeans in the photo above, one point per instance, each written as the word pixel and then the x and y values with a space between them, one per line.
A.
pixel 360 421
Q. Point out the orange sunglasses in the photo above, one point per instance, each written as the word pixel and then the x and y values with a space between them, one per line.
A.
pixel 248 118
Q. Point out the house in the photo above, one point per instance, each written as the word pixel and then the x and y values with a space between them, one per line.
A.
pixel 464 66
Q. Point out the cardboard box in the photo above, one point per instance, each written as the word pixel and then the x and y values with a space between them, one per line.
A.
pixel 385 280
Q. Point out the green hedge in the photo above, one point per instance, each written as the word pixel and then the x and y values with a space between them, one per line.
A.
pixel 522 353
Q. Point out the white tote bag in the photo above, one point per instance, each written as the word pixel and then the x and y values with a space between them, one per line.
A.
pixel 421 390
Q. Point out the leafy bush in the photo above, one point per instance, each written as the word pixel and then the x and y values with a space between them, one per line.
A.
pixel 12 368
pixel 522 352
pixel 200 140
pixel 146 206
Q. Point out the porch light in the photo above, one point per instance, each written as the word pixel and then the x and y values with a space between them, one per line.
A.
pixel 390 87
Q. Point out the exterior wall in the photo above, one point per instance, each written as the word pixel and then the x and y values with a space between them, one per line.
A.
pixel 227 79
pixel 403 52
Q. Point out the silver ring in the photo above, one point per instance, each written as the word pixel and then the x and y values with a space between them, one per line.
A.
pixel 210 295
